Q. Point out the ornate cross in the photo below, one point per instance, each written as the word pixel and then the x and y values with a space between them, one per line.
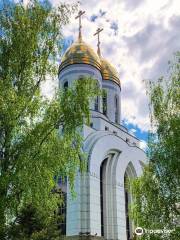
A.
pixel 80 26
pixel 98 45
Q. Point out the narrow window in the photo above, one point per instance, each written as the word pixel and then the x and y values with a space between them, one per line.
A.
pixel 96 100
pixel 66 85
pixel 62 182
pixel 62 214
pixel 116 109
pixel 96 104
pixel 105 103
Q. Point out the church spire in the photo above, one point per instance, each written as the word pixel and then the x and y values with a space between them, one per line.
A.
pixel 80 26
pixel 98 45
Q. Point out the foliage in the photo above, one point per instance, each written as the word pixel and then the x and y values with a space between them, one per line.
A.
pixel 26 222
pixel 29 224
pixel 38 137
pixel 156 192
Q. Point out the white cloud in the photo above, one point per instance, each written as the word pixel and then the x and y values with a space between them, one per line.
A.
pixel 132 131
pixel 143 145
pixel 49 86
pixel 140 47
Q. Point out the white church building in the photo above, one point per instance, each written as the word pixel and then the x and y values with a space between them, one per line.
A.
pixel 100 209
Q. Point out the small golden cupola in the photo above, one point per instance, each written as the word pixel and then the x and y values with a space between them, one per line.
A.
pixel 107 70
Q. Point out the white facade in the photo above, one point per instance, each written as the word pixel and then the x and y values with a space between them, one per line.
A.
pixel 99 208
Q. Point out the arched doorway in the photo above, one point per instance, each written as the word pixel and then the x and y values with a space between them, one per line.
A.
pixel 107 195
pixel 102 193
pixel 128 176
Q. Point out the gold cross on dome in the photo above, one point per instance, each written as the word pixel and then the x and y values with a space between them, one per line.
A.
pixel 80 26
pixel 98 45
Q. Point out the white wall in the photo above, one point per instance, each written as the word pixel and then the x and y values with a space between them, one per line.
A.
pixel 73 72
pixel 112 90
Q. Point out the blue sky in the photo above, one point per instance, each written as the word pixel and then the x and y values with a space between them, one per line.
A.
pixel 138 132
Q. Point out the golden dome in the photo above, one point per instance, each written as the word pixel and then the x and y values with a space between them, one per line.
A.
pixel 80 52
pixel 109 72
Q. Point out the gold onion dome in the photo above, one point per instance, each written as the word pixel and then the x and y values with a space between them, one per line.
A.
pixel 109 72
pixel 80 52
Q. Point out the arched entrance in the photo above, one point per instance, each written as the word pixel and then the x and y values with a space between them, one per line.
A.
pixel 102 193
pixel 107 195
pixel 128 176
pixel 101 146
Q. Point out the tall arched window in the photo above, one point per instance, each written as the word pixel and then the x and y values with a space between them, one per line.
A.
pixel 116 109
pixel 96 100
pixel 65 85
pixel 102 193
pixel 62 182
pixel 104 102
pixel 96 104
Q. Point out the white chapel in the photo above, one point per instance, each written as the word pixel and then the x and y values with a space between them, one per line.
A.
pixel 100 209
